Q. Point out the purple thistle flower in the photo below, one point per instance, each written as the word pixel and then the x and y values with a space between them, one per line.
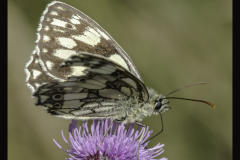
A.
pixel 119 144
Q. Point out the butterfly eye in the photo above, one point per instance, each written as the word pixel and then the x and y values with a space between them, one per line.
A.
pixel 57 97
pixel 158 105
pixel 57 105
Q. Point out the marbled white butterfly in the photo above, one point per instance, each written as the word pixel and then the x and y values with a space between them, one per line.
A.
pixel 78 71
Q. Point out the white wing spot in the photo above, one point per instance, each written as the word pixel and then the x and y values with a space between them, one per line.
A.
pixel 46 38
pixel 64 53
pixel 77 70
pixel 90 36
pixel 49 64
pixel 46 28
pixel 54 13
pixel 119 60
pixel 60 23
pixel 60 8
pixel 103 34
pixel 67 42
pixel 48 19
pixel 74 21
pixel 44 50
pixel 36 73
pixel 36 61
pixel 58 30
pixel 37 85
pixel 76 17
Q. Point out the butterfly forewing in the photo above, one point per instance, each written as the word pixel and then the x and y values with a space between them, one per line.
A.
pixel 63 31
pixel 35 75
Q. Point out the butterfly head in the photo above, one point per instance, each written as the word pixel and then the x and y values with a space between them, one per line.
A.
pixel 161 105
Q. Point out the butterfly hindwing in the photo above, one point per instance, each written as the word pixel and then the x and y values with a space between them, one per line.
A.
pixel 93 95
pixel 116 75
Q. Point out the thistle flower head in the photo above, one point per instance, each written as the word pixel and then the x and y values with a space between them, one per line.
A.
pixel 119 143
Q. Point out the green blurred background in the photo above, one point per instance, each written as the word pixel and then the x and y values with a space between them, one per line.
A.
pixel 172 43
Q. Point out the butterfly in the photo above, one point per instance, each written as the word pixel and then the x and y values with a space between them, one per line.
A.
pixel 78 71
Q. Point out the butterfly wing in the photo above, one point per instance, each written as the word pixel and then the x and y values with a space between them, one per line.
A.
pixel 93 95
pixel 63 31
pixel 35 75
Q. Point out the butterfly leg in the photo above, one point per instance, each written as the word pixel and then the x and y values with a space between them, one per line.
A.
pixel 104 135
pixel 144 129
pixel 158 132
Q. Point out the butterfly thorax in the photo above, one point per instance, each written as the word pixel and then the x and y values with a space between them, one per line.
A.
pixel 136 111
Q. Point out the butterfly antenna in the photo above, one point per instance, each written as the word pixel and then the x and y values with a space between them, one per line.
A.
pixel 210 104
pixel 165 97
pixel 184 88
